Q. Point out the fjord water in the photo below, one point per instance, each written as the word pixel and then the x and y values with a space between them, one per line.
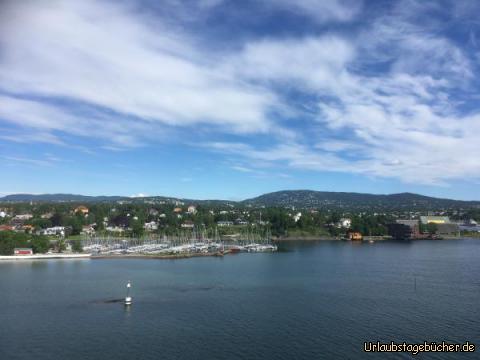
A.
pixel 315 300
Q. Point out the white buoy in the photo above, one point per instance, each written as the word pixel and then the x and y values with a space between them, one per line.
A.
pixel 128 298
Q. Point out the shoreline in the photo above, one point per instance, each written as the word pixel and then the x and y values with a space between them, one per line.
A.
pixel 44 257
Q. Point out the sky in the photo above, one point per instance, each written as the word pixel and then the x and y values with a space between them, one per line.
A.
pixel 232 99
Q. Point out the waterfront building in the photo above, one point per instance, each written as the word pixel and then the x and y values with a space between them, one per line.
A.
pixel 22 251
pixel 354 236
pixel 449 229
pixel 399 231
pixel 414 226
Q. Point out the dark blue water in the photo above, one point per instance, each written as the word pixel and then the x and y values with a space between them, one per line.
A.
pixel 313 301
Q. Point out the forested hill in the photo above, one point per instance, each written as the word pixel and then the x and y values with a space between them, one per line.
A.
pixel 287 198
pixel 324 199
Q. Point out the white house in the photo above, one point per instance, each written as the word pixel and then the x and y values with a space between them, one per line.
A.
pixel 23 217
pixel 297 216
pixel 116 229
pixel 191 209
pixel 51 231
pixel 188 224
pixel 345 223
pixel 88 229
pixel 150 226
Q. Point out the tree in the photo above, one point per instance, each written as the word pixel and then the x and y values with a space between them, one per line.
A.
pixel 57 219
pixel 137 227
pixel 61 245
pixel 77 246
pixel 40 244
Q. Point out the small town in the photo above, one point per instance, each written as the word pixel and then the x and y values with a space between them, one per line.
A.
pixel 173 227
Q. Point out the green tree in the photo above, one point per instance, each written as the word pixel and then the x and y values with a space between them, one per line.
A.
pixel 40 244
pixel 61 245
pixel 77 246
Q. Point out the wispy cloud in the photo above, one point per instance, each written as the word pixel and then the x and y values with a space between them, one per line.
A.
pixel 393 96
pixel 14 160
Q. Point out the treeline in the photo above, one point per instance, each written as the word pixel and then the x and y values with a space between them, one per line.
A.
pixel 9 240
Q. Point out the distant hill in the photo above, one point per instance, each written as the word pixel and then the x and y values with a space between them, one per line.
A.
pixel 74 198
pixel 287 198
pixel 319 199
pixel 58 198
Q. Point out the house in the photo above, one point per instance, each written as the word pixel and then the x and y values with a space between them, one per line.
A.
pixel 23 217
pixel 177 210
pixel 81 209
pixel 297 216
pixel 51 231
pixel 224 223
pixel 150 226
pixel 240 221
pixel 162 215
pixel 344 223
pixel 191 209
pixel 88 229
pixel 6 228
pixel 22 251
pixel 188 224
pixel 354 236
pixel 47 215
pixel 116 229
pixel 28 228
pixel 153 212
pixel 3 214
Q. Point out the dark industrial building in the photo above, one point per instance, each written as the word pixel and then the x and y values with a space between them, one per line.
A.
pixel 404 229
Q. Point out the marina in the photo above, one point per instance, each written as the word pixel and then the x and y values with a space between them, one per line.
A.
pixel 181 244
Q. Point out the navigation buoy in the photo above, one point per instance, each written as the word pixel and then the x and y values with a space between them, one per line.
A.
pixel 128 298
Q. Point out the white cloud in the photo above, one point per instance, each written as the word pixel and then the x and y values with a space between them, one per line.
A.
pixel 322 10
pixel 400 122
pixel 379 102
pixel 105 55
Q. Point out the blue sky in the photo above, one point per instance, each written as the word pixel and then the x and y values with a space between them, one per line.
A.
pixel 231 99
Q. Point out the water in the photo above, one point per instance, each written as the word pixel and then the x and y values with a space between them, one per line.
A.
pixel 310 301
